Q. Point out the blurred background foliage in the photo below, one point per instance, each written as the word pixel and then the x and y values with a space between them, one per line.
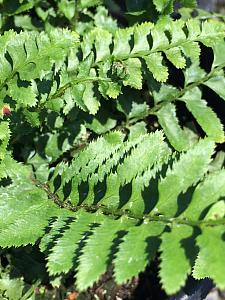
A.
pixel 82 14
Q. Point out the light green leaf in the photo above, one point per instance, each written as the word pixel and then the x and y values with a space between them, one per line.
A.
pixel 141 33
pixel 121 42
pixel 25 96
pixel 217 211
pixel 12 288
pixel 134 72
pixel 205 194
pixel 160 40
pixel 217 84
pixel 132 258
pixel 90 100
pixel 92 262
pixel 204 115
pixel 64 250
pixel 212 32
pixel 185 173
pixel 175 265
pixel 165 93
pixel 178 138
pixel 103 40
pixel 176 31
pixel 211 259
pixel 161 5
pixel 175 56
pixel 218 50
pixel 68 8
pixel 155 65
pixel 140 158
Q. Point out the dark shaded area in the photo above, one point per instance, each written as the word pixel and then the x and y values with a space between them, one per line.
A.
pixel 149 287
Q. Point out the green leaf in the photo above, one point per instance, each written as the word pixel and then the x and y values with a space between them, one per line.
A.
pixel 25 96
pixel 92 263
pixel 79 91
pixel 211 260
pixel 205 194
pixel 132 258
pixel 32 117
pixel 155 65
pixel 178 138
pixel 140 159
pixel 103 40
pixel 103 19
pixel 90 100
pixel 194 74
pixel 141 32
pixel 4 140
pixel 217 83
pixel 175 56
pixel 162 5
pixel 192 50
pixel 177 180
pixel 176 31
pixel 198 107
pixel 188 3
pixel 217 211
pixel 12 288
pixel 62 253
pixel 135 107
pixel 54 232
pixel 90 3
pixel 165 93
pixel 24 7
pixel 175 265
pixel 121 42
pixel 218 50
pixel 17 211
pixel 160 40
pixel 212 32
pixel 68 8
pixel 134 72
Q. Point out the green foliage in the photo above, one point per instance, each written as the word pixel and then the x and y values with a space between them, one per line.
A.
pixel 152 10
pixel 90 229
pixel 108 141
pixel 29 59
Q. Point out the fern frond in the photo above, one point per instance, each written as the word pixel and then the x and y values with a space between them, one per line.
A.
pixel 128 196
pixel 117 65
pixel 165 97
pixel 31 56
pixel 99 221
pixel 77 70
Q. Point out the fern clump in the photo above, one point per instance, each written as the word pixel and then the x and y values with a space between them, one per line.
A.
pixel 110 143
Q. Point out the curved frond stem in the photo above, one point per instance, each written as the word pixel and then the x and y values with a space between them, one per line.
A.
pixel 62 89
pixel 115 213
pixel 153 111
